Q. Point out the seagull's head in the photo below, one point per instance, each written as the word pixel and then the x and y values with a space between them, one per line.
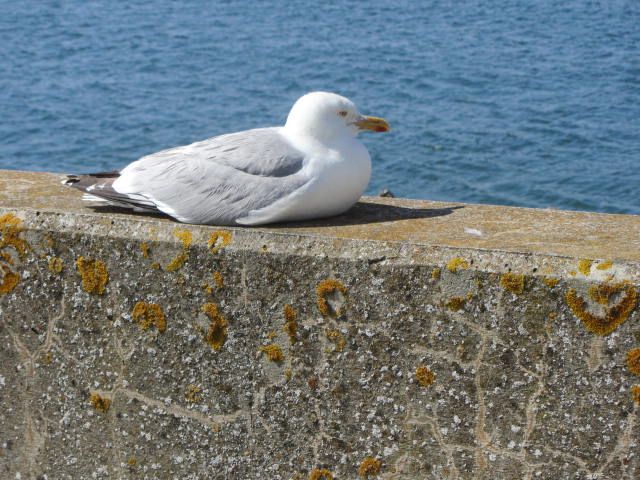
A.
pixel 328 116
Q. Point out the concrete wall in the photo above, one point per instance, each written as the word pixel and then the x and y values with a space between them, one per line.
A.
pixel 402 340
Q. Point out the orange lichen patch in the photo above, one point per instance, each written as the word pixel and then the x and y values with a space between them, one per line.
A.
pixel 337 339
pixel 513 282
pixel 273 352
pixel 216 335
pixel 271 334
pixel 218 240
pixel 6 257
pixel 614 316
pixel 455 303
pixel 192 394
pixel 147 314
pixel 144 247
pixel 10 228
pixel 435 273
pixel 219 281
pixel 369 466
pixel 323 290
pixel 425 376
pixel 47 358
pixel 291 323
pixel 8 279
pixel 100 403
pixel 633 361
pixel 94 275
pixel 605 265
pixel 456 263
pixel 320 474
pixel 584 266
pixel 179 260
pixel 635 394
pixel 602 293
pixel 551 281
pixel 56 265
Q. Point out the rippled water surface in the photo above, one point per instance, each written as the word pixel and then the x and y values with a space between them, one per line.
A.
pixel 532 103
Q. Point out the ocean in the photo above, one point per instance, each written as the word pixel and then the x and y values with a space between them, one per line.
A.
pixel 527 103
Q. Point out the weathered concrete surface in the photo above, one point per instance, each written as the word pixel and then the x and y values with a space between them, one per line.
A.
pixel 444 340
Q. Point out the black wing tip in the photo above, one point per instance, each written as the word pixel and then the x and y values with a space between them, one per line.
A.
pixel 71 180
pixel 87 179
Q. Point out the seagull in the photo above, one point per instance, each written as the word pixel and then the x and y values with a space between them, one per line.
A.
pixel 312 167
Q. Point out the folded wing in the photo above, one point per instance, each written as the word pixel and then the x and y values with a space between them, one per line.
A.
pixel 215 181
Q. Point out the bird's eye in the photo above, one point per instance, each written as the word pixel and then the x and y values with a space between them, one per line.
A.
pixel 342 113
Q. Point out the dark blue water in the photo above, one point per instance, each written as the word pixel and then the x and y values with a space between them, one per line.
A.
pixel 531 103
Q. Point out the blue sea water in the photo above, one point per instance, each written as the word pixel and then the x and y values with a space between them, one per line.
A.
pixel 530 103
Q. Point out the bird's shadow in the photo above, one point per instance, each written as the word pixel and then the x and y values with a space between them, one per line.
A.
pixel 362 213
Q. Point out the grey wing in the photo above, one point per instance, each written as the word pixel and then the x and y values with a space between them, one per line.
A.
pixel 218 180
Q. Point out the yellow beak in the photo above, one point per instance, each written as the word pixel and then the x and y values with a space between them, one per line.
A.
pixel 375 124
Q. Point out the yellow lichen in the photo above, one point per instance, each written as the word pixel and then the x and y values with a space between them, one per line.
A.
pixel 337 338
pixel 435 273
pixel 455 263
pixel 291 324
pixel 179 260
pixel 633 361
pixel 288 373
pixel 323 290
pixel 455 303
pixel 273 352
pixel 635 394
pixel 147 314
pixel 47 358
pixel 144 246
pixel 271 334
pixel 551 282
pixel 100 403
pixel 605 265
pixel 10 228
pixel 369 466
pixel 218 240
pixel 584 266
pixel 603 292
pixel 8 279
pixel 320 474
pixel 56 265
pixel 94 275
pixel 216 335
pixel 425 376
pixel 614 316
pixel 217 278
pixel 156 266
pixel 132 462
pixel 192 394
pixel 513 282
